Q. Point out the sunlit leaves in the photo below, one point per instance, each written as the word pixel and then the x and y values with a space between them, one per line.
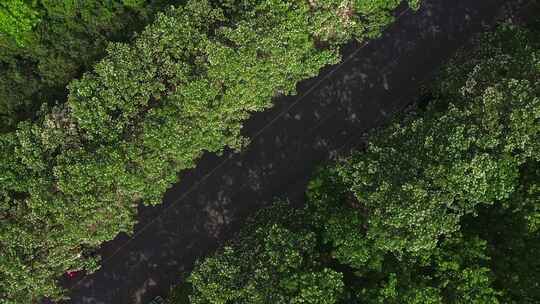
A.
pixel 274 263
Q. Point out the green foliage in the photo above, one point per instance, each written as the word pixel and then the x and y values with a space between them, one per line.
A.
pixel 276 259
pixel 17 19
pixel 133 3
pixel 454 273
pixel 180 293
pixel 513 239
pixel 73 176
pixel 38 59
pixel 339 226
pixel 272 264
pixel 526 201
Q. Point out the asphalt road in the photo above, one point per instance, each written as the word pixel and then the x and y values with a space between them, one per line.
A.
pixel 326 118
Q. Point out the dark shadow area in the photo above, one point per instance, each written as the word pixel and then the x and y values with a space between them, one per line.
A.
pixel 208 204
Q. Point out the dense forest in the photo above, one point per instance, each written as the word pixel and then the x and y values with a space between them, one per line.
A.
pixel 442 205
pixel 100 112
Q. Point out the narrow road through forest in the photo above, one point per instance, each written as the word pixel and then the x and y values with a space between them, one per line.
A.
pixel 327 117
